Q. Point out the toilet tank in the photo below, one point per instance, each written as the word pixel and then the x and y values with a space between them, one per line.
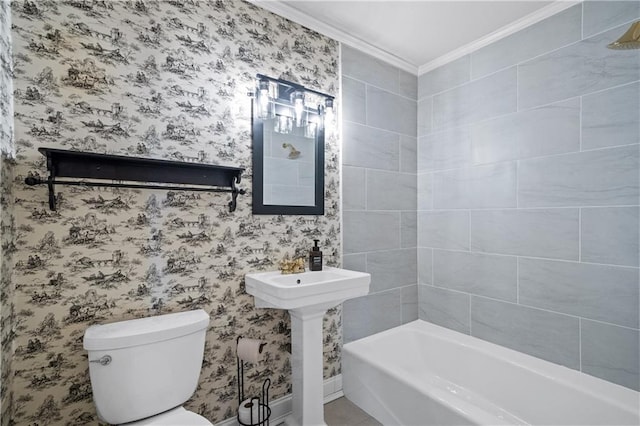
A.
pixel 154 364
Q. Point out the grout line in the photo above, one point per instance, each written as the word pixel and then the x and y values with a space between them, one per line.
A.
pixel 517 87
pixel 366 110
pixel 518 280
pixel 469 227
pixel 517 184
pixel 580 125
pixel 393 132
pixel 580 342
pixel 519 256
pixel 433 267
pixel 442 129
pixel 579 235
pixel 582 21
pixel 496 163
pixel 380 88
pixel 522 208
pixel 480 296
pixel 366 192
pixel 431 115
pixel 470 322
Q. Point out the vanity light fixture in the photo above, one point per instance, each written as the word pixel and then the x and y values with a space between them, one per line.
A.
pixel 280 98
pixel 328 110
pixel 263 94
pixel 629 40
pixel 298 106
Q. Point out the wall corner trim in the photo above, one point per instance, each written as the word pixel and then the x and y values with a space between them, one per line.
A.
pixel 280 8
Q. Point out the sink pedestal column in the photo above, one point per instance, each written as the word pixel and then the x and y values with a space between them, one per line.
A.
pixel 306 367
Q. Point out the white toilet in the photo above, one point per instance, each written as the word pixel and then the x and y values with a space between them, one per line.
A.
pixel 143 370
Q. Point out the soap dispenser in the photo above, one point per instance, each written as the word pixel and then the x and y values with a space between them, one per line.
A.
pixel 315 258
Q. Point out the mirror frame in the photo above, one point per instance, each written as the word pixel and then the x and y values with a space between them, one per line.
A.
pixel 257 138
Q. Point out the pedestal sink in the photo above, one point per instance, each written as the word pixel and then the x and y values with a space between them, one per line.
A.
pixel 306 296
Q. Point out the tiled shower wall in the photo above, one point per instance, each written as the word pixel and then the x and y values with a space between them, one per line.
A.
pixel 379 191
pixel 528 192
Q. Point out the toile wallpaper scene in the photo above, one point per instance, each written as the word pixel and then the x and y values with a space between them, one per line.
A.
pixel 7 223
pixel 162 79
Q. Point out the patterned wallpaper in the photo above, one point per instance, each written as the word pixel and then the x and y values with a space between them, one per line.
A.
pixel 168 80
pixel 6 214
pixel 6 84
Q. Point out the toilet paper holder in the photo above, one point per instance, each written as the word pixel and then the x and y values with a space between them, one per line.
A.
pixel 252 411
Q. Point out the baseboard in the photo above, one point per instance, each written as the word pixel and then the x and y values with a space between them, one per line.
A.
pixel 281 407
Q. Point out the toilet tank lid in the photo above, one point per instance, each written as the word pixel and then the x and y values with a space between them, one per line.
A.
pixel 143 331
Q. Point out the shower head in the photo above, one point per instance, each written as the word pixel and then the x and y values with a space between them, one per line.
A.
pixel 629 40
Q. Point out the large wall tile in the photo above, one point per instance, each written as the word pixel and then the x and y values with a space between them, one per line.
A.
pixel 445 77
pixel 552 233
pixel 425 265
pixel 364 146
pixel 611 117
pixel 602 15
pixel 477 273
pixel 424 116
pixel 581 68
pixel 408 229
pixel 407 84
pixel 552 129
pixel 546 335
pixel 448 230
pixel 443 307
pixel 481 99
pixel 355 262
pixel 595 178
pixel 408 154
pixel 391 191
pixel 425 191
pixel 371 314
pixel 611 235
pixel 353 188
pixel 611 353
pixel 445 150
pixel 409 303
pixel 354 102
pixel 492 186
pixel 598 292
pixel 392 269
pixel 370 231
pixel 368 69
pixel 550 34
pixel 386 110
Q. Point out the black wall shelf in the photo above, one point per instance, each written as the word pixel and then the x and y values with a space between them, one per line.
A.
pixel 85 165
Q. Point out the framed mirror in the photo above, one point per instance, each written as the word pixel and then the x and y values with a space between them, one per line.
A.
pixel 288 148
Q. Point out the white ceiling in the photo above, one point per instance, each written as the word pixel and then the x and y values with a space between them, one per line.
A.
pixel 415 34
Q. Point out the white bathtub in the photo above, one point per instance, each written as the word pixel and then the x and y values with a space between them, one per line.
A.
pixel 422 374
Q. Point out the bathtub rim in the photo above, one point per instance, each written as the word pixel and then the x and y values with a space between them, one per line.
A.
pixel 616 395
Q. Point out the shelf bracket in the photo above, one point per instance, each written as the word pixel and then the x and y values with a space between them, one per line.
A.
pixel 51 184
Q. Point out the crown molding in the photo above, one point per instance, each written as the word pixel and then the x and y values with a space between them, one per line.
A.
pixel 520 24
pixel 280 8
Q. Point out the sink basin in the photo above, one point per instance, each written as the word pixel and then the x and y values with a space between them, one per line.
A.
pixel 306 296
pixel 325 288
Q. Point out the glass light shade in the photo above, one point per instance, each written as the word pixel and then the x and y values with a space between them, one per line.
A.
pixel 298 106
